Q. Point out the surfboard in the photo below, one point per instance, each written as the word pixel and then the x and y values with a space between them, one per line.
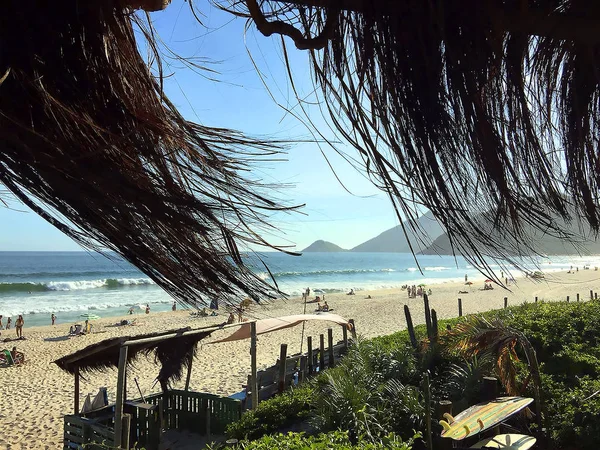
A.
pixel 507 442
pixel 481 417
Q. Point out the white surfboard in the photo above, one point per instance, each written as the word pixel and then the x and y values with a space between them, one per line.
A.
pixel 507 442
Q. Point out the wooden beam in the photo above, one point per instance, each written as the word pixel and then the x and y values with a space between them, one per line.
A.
pixel 254 386
pixel 120 397
pixel 532 21
pixel 76 400
pixel 164 337
pixel 282 367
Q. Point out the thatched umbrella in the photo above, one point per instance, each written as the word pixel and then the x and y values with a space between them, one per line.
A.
pixel 485 112
pixel 90 142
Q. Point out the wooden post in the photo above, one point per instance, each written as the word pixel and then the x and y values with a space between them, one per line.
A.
pixel 322 352
pixel 427 395
pixel 303 364
pixel 489 392
pixel 443 407
pixel 536 299
pixel 330 349
pixel 460 307
pixel 161 415
pixel 311 357
pixel 411 328
pixel 567 299
pixel 120 392
pixel 434 326
pixel 577 297
pixel 282 367
pixel 345 336
pixel 76 402
pixel 595 296
pixel 506 302
pixel 353 329
pixel 591 295
pixel 126 427
pixel 254 386
pixel 427 315
pixel 189 373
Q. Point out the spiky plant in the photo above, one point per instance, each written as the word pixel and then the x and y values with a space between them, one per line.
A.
pixel 477 335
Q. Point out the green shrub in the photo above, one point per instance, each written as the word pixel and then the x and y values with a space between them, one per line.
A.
pixel 272 415
pixel 337 440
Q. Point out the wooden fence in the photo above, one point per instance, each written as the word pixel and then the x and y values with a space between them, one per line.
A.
pixel 296 368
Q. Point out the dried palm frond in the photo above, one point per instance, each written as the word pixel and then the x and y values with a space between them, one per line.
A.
pixel 476 335
pixel 90 142
pixel 485 112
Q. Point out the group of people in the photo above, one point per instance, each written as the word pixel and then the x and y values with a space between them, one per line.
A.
pixel 488 287
pixel 323 308
pixel 19 324
pixel 416 291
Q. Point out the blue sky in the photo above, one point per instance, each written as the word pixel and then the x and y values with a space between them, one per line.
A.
pixel 240 101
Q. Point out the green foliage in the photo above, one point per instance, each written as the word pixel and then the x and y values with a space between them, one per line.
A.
pixel 274 414
pixel 336 440
pixel 375 389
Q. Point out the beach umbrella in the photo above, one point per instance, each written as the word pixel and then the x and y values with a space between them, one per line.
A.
pixel 88 316
pixel 469 283
pixel 488 281
pixel 422 285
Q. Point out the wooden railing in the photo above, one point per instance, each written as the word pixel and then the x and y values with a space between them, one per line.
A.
pixel 204 414
pixel 83 430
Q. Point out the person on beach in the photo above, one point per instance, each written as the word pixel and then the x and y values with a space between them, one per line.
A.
pixel 8 322
pixel 174 307
pixel 466 278
pixel 18 357
pixel 19 326
pixel 325 307
pixel 147 309
pixel 0 321
pixel 131 311
pixel 53 318
pixel 231 318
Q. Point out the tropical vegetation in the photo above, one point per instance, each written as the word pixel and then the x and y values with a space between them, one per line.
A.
pixel 547 351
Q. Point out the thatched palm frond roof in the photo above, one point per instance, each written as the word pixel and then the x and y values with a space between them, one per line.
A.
pixel 89 141
pixel 466 107
pixel 175 351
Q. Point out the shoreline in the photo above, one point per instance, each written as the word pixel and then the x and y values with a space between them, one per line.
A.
pixel 39 393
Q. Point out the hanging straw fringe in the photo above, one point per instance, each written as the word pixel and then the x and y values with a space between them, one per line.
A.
pixel 455 108
pixel 89 142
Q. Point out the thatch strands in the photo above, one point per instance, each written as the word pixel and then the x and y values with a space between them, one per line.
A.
pixel 466 107
pixel 173 353
pixel 89 141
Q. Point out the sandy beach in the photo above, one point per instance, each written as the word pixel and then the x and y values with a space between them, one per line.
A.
pixel 35 396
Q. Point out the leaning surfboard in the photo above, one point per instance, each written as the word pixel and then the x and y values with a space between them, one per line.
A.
pixel 507 442
pixel 481 417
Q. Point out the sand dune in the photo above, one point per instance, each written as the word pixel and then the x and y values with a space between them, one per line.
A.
pixel 36 396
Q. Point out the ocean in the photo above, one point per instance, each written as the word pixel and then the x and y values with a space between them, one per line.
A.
pixel 69 284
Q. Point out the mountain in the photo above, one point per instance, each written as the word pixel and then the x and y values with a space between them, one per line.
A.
pixel 394 241
pixel 323 246
pixel 545 244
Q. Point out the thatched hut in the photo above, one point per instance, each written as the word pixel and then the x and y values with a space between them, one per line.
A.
pixel 140 420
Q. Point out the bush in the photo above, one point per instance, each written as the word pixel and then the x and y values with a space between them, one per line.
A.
pixel 274 414
pixel 337 440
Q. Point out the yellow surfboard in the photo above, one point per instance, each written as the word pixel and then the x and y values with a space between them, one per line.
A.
pixel 482 416
pixel 507 442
